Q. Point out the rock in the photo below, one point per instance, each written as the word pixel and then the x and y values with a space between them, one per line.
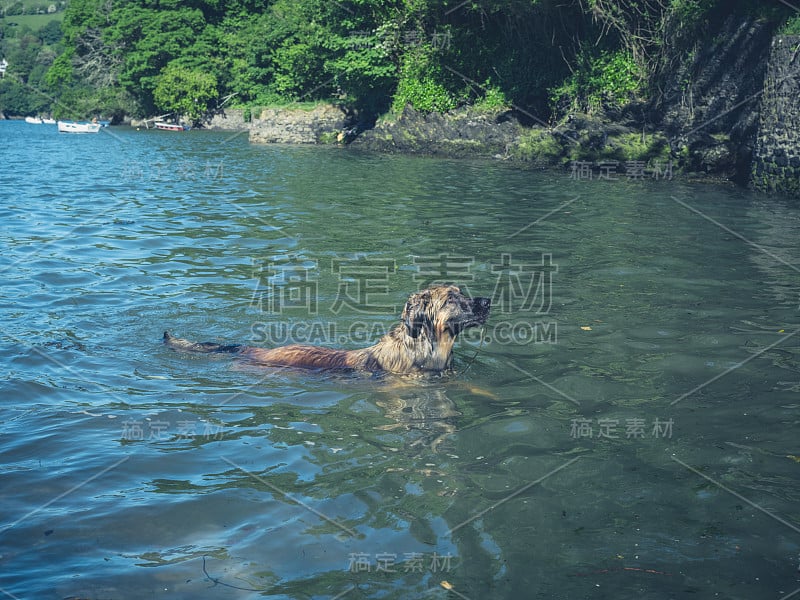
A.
pixel 460 133
pixel 231 119
pixel 321 124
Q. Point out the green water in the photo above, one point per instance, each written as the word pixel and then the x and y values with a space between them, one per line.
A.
pixel 624 426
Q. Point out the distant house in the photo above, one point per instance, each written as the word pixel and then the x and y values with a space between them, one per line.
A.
pixel 51 9
pixel 3 67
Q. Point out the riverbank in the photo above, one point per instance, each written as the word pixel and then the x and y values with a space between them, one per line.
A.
pixel 587 146
pixel 709 120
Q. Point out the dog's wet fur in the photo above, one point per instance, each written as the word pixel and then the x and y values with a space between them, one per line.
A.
pixel 421 343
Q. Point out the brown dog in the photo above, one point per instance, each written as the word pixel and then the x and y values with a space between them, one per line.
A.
pixel 421 343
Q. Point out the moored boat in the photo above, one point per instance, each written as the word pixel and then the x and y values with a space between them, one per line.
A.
pixel 164 126
pixel 33 120
pixel 77 127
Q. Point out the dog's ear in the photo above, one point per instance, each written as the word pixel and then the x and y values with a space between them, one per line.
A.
pixel 414 315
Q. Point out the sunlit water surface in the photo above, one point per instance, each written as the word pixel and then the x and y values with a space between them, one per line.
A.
pixel 625 426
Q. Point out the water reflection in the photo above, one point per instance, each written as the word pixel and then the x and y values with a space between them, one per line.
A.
pixel 428 411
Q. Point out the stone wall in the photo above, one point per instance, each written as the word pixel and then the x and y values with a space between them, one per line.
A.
pixel 776 159
pixel 708 107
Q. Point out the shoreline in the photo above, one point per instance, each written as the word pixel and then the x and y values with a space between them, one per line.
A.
pixel 585 148
pixel 705 122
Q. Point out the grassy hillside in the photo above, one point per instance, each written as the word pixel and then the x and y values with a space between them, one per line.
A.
pixel 34 22
pixel 30 40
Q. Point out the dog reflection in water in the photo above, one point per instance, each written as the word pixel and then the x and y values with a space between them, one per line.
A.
pixel 426 410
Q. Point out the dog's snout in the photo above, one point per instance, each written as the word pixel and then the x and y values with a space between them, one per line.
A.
pixel 483 302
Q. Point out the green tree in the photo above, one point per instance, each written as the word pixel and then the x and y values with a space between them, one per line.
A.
pixel 185 91
pixel 60 72
pixel 147 40
pixel 367 54
pixel 244 44
pixel 51 33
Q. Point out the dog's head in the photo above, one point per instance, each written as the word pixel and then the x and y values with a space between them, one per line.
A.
pixel 443 309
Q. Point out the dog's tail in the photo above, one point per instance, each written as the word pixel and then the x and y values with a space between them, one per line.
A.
pixel 205 347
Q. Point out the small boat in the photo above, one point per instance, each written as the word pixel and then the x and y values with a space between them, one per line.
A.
pixel 77 127
pixel 48 121
pixel 170 126
pixel 33 120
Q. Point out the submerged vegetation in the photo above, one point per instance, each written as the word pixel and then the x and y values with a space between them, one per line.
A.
pixel 550 57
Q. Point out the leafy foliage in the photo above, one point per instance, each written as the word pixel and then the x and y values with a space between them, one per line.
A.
pixel 420 84
pixel 791 27
pixel 605 81
pixel 547 56
pixel 25 90
pixel 185 91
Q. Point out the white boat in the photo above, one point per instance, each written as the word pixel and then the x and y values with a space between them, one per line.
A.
pixel 170 126
pixel 77 127
pixel 40 121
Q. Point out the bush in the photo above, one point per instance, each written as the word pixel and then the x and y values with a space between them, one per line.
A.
pixel 640 146
pixel 791 27
pixel 609 80
pixel 425 95
pixel 17 8
pixel 493 98
pixel 419 83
